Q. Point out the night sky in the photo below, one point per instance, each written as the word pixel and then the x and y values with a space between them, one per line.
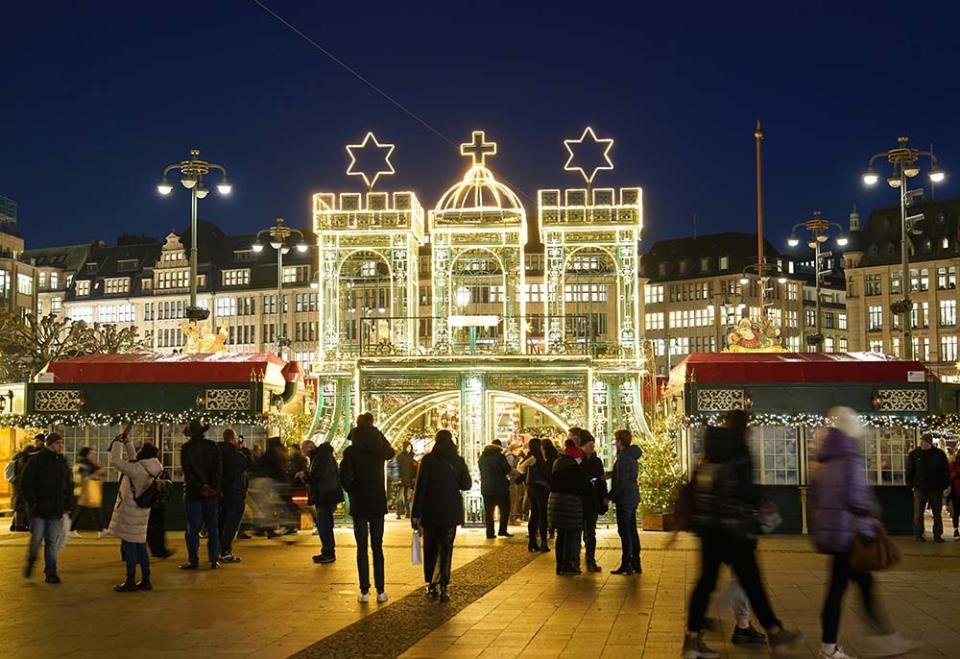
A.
pixel 99 96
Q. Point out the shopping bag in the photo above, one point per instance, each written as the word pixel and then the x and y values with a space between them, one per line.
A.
pixel 60 541
pixel 416 551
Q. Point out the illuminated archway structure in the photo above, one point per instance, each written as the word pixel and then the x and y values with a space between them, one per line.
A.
pixel 420 364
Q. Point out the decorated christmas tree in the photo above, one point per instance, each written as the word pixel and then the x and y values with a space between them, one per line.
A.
pixel 661 473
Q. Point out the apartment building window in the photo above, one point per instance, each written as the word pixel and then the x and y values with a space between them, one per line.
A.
pixel 83 287
pixel 662 269
pixel 585 292
pixel 56 304
pixel 874 317
pixel 305 302
pixel 654 321
pixel 948 313
pixel 127 265
pixel 919 279
pixel 298 273
pixel 174 279
pixel 920 314
pixel 828 344
pixel 793 291
pixel 842 344
pixel 148 311
pixel 117 285
pixel 226 306
pixel 42 281
pixel 240 277
pixel 948 348
pixel 246 306
pixel 84 313
pixel 791 318
pixel 116 313
pixel 810 316
pixel 921 348
pixel 173 310
pixel 947 278
pixel 724 263
pixel 842 320
pixel 54 280
pixel 25 284
pixel 828 317
pixel 305 331
pixel 875 345
pixel 270 304
pixel 680 345
pixel 873 284
pixel 653 293
pixel 705 264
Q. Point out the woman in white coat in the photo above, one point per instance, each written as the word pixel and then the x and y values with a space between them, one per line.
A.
pixel 129 521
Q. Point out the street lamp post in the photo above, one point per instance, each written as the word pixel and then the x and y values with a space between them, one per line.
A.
pixel 192 172
pixel 906 164
pixel 819 230
pixel 280 237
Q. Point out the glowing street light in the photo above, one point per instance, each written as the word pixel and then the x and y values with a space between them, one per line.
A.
pixel 281 238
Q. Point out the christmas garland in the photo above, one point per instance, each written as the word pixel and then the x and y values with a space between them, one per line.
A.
pixel 120 418
pixel 930 422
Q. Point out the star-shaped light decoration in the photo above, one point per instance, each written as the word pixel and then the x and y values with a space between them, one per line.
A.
pixel 370 142
pixel 588 140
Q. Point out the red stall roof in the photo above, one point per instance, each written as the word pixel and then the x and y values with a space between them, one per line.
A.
pixel 154 367
pixel 773 367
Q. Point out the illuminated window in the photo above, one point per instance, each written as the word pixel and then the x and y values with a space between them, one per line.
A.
pixel 873 284
pixel 167 279
pixel 947 278
pixel 226 306
pixel 117 285
pixel 842 320
pixel 25 284
pixel 54 280
pixel 920 314
pixel 654 321
pixel 239 277
pixel 367 269
pixel 56 304
pixel 842 344
pixel 919 279
pixel 921 348
pixel 828 344
pixel 724 262
pixel 948 313
pixel 874 317
pixel 948 348
pixel 116 313
pixel 83 313
pixel 811 317
pixel 83 287
pixel 298 273
pixel 653 293
pixel 42 280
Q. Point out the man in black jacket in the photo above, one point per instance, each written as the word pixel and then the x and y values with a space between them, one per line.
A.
pixel 21 517
pixel 202 474
pixel 237 461
pixel 361 473
pixel 928 473
pixel 495 487
pixel 407 466
pixel 592 468
pixel 325 494
pixel 47 488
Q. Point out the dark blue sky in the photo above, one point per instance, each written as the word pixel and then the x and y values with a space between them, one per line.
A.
pixel 99 96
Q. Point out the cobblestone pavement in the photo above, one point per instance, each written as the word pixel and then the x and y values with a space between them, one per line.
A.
pixel 277 602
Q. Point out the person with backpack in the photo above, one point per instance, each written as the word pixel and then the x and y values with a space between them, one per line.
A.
pixel 237 461
pixel 325 494
pixel 131 513
pixel 88 489
pixel 202 472
pixel 536 474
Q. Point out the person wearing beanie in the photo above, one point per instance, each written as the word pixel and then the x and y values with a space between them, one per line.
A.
pixel 593 506
pixel 625 493
pixel 495 487
pixel 928 474
pixel 202 473
pixel 568 486
pixel 47 489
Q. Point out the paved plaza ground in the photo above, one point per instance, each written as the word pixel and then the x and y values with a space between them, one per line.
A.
pixel 277 603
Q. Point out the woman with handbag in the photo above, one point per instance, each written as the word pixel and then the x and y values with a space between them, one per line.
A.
pixel 844 518
pixel 88 488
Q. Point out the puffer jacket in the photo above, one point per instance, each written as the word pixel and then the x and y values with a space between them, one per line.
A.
pixel 842 500
pixel 494 470
pixel 47 484
pixel 624 488
pixel 725 498
pixel 129 521
pixel 568 486
pixel 437 500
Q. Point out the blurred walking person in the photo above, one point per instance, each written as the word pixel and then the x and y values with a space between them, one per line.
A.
pixel 843 508
pixel 438 510
pixel 202 467
pixel 536 474
pixel 568 487
pixel 928 474
pixel 725 501
pixel 47 487
pixel 495 487
pixel 625 493
pixel 88 490
pixel 237 462
pixel 325 495
pixel 129 521
pixel 362 476
pixel 14 473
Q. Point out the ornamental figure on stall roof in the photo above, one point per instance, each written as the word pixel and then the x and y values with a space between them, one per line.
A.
pixel 753 336
pixel 199 339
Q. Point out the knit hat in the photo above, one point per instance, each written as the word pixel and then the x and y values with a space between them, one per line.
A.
pixel 52 438
pixel 927 437
pixel 586 438
pixel 196 427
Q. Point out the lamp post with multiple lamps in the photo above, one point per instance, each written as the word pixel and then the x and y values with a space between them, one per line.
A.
pixel 281 238
pixel 819 229
pixel 905 162
pixel 192 172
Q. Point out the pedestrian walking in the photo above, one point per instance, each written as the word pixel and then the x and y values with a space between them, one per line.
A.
pixel 725 501
pixel 928 474
pixel 625 493
pixel 495 487
pixel 955 493
pixel 88 490
pixel 47 488
pixel 129 521
pixel 362 476
pixel 593 504
pixel 20 521
pixel 438 510
pixel 843 508
pixel 202 473
pixel 407 477
pixel 568 487
pixel 237 462
pixel 325 494
pixel 536 474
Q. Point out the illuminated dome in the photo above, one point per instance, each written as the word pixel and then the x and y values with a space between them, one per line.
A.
pixel 479 189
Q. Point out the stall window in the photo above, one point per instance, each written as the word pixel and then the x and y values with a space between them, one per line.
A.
pixel 775 454
pixel 886 454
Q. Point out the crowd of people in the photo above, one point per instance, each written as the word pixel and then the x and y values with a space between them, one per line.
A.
pixel 561 492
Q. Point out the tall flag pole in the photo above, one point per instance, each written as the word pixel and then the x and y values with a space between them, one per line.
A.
pixel 758 137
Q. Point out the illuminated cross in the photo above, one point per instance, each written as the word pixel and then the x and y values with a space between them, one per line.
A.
pixel 479 148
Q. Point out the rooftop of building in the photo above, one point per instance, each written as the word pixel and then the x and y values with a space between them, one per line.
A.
pixel 937 237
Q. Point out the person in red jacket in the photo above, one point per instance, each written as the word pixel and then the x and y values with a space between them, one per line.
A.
pixel 955 492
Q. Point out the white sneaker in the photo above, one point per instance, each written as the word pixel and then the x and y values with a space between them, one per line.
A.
pixel 837 653
pixel 75 534
pixel 381 597
pixel 889 645
pixel 363 598
pixel 101 534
